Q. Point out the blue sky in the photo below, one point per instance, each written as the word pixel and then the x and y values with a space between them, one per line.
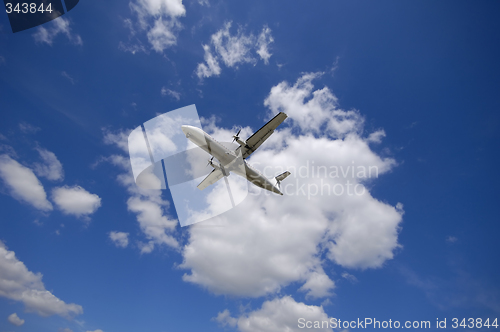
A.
pixel 408 87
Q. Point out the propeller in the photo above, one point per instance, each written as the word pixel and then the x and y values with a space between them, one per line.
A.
pixel 210 161
pixel 235 137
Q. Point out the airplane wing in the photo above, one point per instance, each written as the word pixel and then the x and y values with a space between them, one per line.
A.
pixel 254 141
pixel 211 178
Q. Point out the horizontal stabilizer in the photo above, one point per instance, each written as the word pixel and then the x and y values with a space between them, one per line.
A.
pixel 283 176
pixel 211 178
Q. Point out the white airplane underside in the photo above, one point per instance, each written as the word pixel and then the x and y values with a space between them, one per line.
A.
pixel 234 161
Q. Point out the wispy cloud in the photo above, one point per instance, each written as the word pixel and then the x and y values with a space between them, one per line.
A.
pixel 349 277
pixel 451 239
pixel 50 167
pixel 460 290
pixel 58 26
pixel 158 20
pixel 27 128
pixel 233 50
pixel 68 77
pixel 174 94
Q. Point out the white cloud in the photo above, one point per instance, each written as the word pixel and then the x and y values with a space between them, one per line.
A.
pixel 148 205
pixel 161 35
pixel 263 42
pixel 319 114
pixel 23 183
pixel 159 20
pixel 280 314
pixel 26 128
pixel 376 137
pixel 233 50
pixel 75 201
pixel 152 221
pixel 59 25
pixel 211 67
pixel 318 284
pixel 120 239
pixel 174 94
pixel 451 239
pixel 19 284
pixel 119 138
pixel 99 330
pixel 15 320
pixel 51 168
pixel 349 277
pixel 270 241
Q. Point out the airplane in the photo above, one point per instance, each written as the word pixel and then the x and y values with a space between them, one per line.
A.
pixel 229 160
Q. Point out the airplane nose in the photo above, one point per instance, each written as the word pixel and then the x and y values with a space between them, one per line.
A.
pixel 186 130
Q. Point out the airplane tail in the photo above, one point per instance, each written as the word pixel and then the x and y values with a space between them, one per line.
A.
pixel 281 177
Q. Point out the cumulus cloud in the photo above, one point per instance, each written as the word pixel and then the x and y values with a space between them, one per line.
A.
pixel 23 184
pixel 280 314
pixel 51 168
pixel 318 284
pixel 99 330
pixel 148 205
pixel 158 20
pixel 152 221
pixel 233 50
pixel 120 239
pixel 319 114
pixel 15 320
pixel 58 26
pixel 19 284
pixel 376 137
pixel 76 201
pixel 270 241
